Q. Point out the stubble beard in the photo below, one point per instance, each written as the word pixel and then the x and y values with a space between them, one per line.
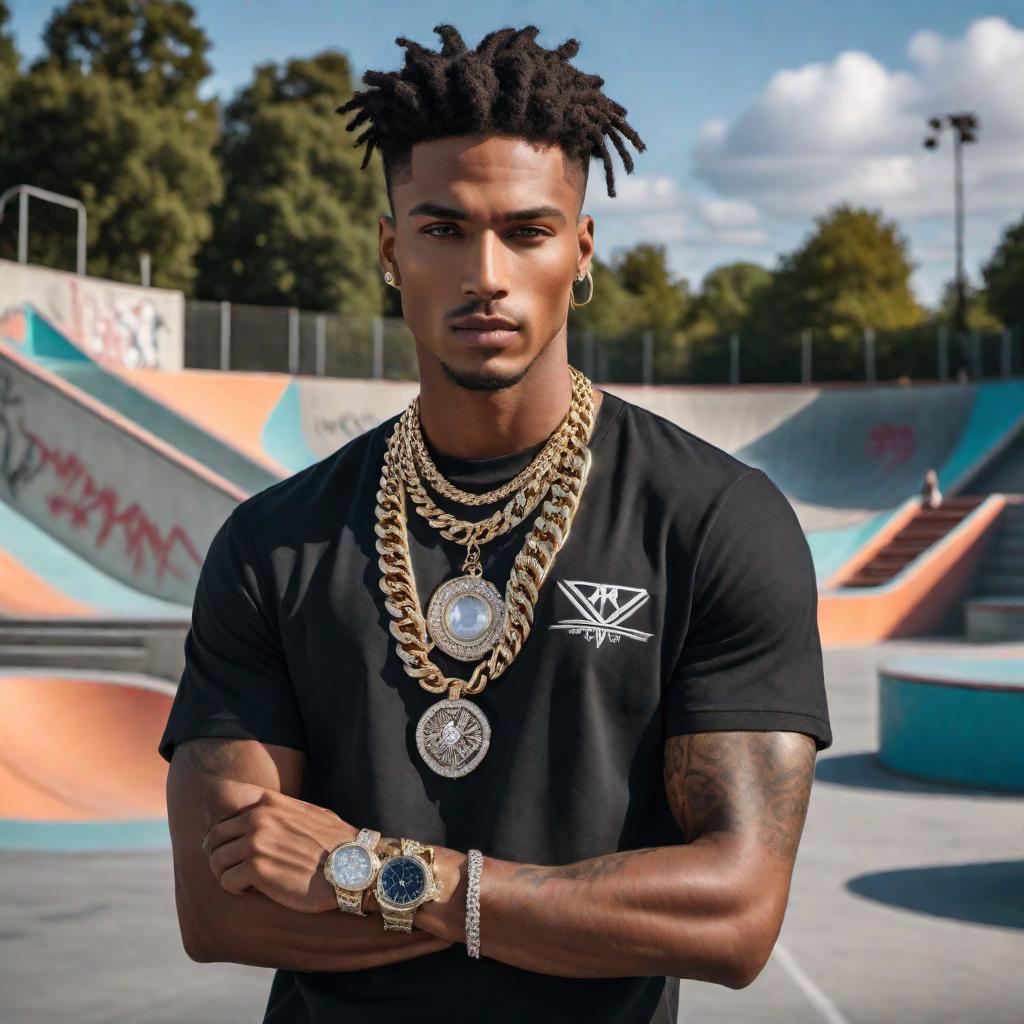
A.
pixel 485 379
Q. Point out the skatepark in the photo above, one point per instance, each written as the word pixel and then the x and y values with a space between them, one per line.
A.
pixel 115 478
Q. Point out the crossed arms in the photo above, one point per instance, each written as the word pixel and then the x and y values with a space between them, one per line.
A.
pixel 249 887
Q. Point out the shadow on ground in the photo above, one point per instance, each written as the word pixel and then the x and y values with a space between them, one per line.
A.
pixel 981 893
pixel 864 771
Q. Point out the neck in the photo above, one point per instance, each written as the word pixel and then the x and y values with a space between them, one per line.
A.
pixel 485 424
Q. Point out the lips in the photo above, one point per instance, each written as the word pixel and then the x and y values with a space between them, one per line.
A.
pixel 485 332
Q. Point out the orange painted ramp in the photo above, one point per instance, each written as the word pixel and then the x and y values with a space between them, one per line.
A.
pixel 78 749
pixel 234 407
pixel 24 594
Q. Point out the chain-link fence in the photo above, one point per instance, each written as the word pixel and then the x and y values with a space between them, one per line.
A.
pixel 234 336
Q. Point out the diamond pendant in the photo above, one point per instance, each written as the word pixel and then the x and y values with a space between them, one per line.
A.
pixel 452 737
pixel 466 617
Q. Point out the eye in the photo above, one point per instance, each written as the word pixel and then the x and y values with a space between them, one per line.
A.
pixel 541 232
pixel 436 227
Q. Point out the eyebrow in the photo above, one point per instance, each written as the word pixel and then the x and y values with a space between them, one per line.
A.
pixel 453 213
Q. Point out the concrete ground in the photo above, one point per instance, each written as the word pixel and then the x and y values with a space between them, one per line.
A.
pixel 907 906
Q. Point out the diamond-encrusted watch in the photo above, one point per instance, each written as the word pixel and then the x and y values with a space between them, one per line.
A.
pixel 352 868
pixel 404 882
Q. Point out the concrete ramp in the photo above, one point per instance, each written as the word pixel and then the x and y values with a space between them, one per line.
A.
pixel 179 410
pixel 119 497
pixel 863 450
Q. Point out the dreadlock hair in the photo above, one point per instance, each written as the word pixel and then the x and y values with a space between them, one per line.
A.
pixel 508 86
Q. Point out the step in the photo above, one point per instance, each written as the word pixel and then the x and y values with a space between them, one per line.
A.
pixel 119 659
pixel 81 636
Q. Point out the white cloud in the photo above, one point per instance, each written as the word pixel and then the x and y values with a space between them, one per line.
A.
pixel 852 130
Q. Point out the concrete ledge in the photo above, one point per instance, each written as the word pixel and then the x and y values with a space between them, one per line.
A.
pixel 953 720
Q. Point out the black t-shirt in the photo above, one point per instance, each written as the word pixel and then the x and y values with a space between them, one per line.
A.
pixel 684 600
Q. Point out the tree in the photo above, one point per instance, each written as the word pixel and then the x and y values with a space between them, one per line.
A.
pixel 8 54
pixel 977 314
pixel 298 222
pixel 137 152
pixel 1004 276
pixel 725 298
pixel 662 301
pixel 153 46
pixel 853 272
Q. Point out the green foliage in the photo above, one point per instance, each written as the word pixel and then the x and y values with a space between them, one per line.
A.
pixel 110 115
pixel 153 46
pixel 145 174
pixel 298 222
pixel 853 272
pixel 8 54
pixel 1004 276
pixel 643 272
pixel 725 298
pixel 978 315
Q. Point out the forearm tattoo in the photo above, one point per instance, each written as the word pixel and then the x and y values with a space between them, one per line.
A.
pixel 593 870
pixel 756 782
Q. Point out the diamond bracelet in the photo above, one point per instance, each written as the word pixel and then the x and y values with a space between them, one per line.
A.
pixel 475 867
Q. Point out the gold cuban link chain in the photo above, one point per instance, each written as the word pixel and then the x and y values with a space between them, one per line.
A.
pixel 532 564
pixel 540 466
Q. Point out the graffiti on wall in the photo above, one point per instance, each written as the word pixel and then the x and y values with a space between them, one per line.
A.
pixel 125 330
pixel 77 497
pixel 892 444
pixel 118 325
pixel 346 426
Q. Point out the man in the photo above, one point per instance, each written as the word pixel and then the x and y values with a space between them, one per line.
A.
pixel 625 734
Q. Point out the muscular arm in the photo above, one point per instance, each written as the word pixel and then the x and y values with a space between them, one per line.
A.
pixel 710 909
pixel 212 778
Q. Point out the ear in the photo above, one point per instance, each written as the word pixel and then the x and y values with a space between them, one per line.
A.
pixel 585 237
pixel 386 242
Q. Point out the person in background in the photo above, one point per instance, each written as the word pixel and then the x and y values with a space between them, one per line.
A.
pixel 931 496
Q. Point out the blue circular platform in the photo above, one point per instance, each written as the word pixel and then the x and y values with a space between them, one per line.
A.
pixel 955 720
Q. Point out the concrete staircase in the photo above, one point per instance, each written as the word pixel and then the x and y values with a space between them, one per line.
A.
pixel 926 528
pixel 995 609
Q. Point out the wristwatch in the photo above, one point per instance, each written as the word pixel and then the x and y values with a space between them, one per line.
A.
pixel 405 880
pixel 351 868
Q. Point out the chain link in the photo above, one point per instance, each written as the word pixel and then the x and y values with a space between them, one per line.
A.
pixel 540 466
pixel 532 564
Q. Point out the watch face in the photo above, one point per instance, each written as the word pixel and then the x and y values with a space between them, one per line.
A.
pixel 402 880
pixel 351 867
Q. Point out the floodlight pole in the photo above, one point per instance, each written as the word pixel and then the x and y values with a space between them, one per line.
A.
pixel 23 193
pixel 960 313
pixel 965 129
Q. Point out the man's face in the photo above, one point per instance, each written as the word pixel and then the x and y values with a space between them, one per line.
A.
pixel 486 227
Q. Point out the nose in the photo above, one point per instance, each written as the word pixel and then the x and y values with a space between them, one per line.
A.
pixel 485 275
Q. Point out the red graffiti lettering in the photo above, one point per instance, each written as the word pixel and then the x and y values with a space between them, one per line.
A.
pixel 86 504
pixel 891 443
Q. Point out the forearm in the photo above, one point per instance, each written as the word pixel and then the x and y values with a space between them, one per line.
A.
pixel 253 929
pixel 678 911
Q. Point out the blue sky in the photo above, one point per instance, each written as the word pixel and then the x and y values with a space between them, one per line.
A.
pixel 757 114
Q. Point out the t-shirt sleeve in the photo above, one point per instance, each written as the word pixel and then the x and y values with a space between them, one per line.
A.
pixel 235 682
pixel 751 657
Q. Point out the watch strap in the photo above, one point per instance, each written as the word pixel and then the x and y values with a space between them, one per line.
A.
pixel 397 920
pixel 368 837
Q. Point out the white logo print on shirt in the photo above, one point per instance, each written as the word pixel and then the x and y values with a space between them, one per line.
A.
pixel 603 607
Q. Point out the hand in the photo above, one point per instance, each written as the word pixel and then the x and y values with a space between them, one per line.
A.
pixel 276 846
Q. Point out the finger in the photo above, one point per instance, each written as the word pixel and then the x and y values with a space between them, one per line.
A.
pixel 236 826
pixel 229 854
pixel 239 878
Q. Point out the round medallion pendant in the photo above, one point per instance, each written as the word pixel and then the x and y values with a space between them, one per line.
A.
pixel 466 617
pixel 452 737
